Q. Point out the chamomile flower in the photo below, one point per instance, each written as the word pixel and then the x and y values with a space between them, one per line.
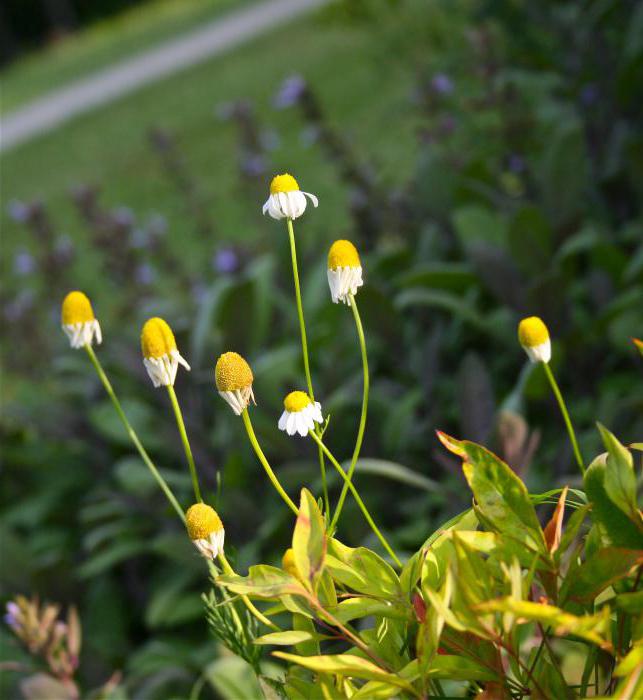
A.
pixel 160 354
pixel 205 530
pixel 344 271
pixel 300 414
pixel 286 200
pixel 234 378
pixel 534 338
pixel 78 321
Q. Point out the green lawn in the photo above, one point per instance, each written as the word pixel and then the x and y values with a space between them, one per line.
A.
pixel 366 94
pixel 103 44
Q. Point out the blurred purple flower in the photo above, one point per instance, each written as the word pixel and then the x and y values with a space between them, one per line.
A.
pixel 290 92
pixel 516 163
pixel 309 136
pixel 269 139
pixel 12 615
pixel 64 247
pixel 19 306
pixel 589 94
pixel 139 238
pixel 442 84
pixel 123 216
pixel 18 211
pixel 253 165
pixel 145 274
pixel 226 261
pixel 23 263
pixel 157 224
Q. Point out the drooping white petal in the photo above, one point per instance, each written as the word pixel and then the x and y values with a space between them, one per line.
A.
pixel 539 353
pixel 282 420
pixel 81 334
pixel 343 281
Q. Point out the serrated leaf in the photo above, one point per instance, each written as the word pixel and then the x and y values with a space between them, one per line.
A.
pixel 599 571
pixel 501 496
pixel 593 628
pixel 309 540
pixel 614 526
pixel 362 570
pixel 346 665
pixel 620 480
pixel 264 582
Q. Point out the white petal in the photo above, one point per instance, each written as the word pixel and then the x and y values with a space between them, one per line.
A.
pixel 282 420
pixel 303 424
pixel 291 424
pixel 313 199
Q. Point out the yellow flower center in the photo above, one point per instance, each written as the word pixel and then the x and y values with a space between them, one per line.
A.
pixel 283 183
pixel 288 563
pixel 232 372
pixel 201 521
pixel 296 401
pixel 76 309
pixel 157 338
pixel 532 332
pixel 343 254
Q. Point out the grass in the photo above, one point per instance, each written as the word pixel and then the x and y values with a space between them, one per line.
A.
pixel 366 93
pixel 103 44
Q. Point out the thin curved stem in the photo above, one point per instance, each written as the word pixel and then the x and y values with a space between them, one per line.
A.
pixel 264 462
pixel 357 497
pixel 566 418
pixel 185 441
pixel 362 419
pixel 132 434
pixel 225 564
pixel 304 350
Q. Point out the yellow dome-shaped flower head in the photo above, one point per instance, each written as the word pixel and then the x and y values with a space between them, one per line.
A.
pixel 78 320
pixel 344 271
pixel 160 354
pixel 300 414
pixel 233 378
pixel 205 529
pixel 534 338
pixel 286 200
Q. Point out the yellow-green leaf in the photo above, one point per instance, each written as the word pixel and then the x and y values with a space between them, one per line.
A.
pixel 288 638
pixel 264 582
pixel 346 665
pixel 309 540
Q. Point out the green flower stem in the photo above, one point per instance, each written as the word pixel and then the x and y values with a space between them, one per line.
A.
pixel 225 565
pixel 566 418
pixel 362 420
pixel 304 349
pixel 185 441
pixel 264 462
pixel 357 497
pixel 132 434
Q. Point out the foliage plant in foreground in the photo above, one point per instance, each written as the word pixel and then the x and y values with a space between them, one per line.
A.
pixel 493 605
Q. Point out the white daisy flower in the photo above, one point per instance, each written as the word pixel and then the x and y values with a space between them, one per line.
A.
pixel 534 338
pixel 205 530
pixel 78 321
pixel 344 271
pixel 160 354
pixel 286 200
pixel 300 414
pixel 234 378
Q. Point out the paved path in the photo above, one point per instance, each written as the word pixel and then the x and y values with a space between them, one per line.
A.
pixel 218 36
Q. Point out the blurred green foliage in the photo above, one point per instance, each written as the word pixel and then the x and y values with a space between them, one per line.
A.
pixel 512 187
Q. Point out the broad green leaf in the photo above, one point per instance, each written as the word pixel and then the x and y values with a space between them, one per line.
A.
pixel 631 603
pixel 631 661
pixel 501 496
pixel 264 582
pixel 289 638
pixel 309 540
pixel 620 480
pixel 593 628
pixel 346 665
pixel 615 527
pixel 310 647
pixel 232 678
pixel 354 608
pixel 599 571
pixel 362 570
